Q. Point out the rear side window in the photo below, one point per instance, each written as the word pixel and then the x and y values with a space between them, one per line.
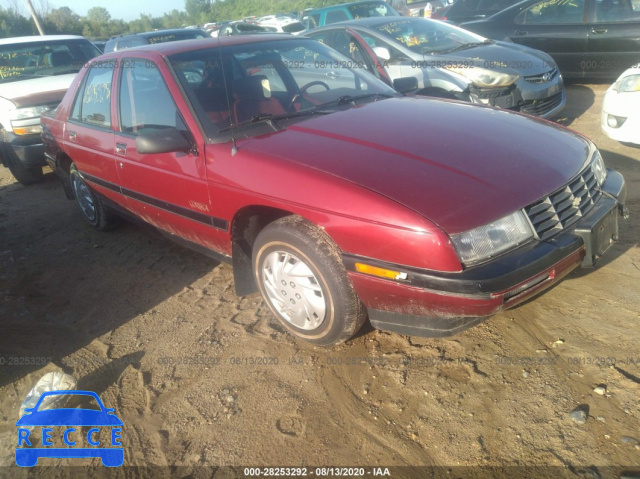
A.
pixel 612 11
pixel 549 12
pixel 93 101
pixel 334 16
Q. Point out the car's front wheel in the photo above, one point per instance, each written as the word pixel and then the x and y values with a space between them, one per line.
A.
pixel 90 205
pixel 303 281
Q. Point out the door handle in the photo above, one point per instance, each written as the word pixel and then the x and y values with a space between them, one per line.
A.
pixel 599 31
pixel 520 32
pixel 333 75
pixel 72 136
pixel 121 149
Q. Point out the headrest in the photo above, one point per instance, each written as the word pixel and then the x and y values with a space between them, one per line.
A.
pixel 254 87
pixel 59 59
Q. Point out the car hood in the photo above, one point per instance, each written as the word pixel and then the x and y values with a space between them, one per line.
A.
pixel 457 164
pixel 27 92
pixel 501 56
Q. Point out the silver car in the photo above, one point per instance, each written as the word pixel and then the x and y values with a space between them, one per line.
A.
pixel 450 62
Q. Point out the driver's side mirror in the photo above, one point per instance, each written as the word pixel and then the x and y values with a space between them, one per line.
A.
pixel 382 53
pixel 405 84
pixel 166 140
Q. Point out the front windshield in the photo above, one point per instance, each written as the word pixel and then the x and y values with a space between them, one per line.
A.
pixel 22 61
pixel 241 84
pixel 428 36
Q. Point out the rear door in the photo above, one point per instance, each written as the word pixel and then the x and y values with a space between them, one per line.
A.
pixel 88 135
pixel 168 190
pixel 613 39
pixel 557 27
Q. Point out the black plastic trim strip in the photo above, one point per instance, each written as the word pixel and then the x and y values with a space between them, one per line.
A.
pixel 217 223
pixel 112 205
pixel 498 275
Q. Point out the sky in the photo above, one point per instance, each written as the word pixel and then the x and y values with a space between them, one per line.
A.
pixel 126 10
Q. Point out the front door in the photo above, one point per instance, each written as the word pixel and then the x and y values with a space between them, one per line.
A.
pixel 557 27
pixel 168 190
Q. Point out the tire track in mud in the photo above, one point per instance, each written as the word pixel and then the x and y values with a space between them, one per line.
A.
pixel 571 369
pixel 344 386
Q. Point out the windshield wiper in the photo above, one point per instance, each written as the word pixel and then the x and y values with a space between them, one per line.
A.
pixel 346 99
pixel 464 46
pixel 271 119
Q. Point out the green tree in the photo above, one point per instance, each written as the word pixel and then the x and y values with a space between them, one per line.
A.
pixel 64 21
pixel 12 24
pixel 96 24
pixel 197 10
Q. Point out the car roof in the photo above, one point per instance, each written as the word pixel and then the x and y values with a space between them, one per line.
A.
pixel 368 22
pixel 171 48
pixel 166 31
pixel 348 4
pixel 39 38
pixel 169 31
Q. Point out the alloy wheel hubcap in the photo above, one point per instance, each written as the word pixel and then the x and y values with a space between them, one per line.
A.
pixel 85 201
pixel 293 290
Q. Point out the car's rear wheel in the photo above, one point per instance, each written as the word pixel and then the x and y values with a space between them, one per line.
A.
pixel 92 209
pixel 303 281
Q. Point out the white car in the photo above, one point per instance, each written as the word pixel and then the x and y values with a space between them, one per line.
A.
pixel 620 117
pixel 283 24
pixel 35 73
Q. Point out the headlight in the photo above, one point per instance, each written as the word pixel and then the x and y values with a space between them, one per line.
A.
pixel 628 84
pixel 598 167
pixel 485 78
pixel 490 240
pixel 29 112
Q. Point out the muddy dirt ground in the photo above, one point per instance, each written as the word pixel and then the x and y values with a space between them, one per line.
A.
pixel 202 378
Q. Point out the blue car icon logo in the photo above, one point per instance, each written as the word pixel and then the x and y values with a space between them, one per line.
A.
pixel 108 449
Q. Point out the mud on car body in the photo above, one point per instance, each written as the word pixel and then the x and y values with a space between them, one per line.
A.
pixel 337 198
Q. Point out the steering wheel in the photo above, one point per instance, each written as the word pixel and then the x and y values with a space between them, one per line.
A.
pixel 303 89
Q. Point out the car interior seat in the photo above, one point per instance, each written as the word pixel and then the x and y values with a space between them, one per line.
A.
pixel 253 97
pixel 61 59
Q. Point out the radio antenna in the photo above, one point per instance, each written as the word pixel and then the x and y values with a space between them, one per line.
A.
pixel 234 148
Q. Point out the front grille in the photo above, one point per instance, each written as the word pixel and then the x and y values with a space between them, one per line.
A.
pixel 543 77
pixel 563 208
pixel 541 107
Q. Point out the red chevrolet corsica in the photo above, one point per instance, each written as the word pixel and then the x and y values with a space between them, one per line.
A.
pixel 330 193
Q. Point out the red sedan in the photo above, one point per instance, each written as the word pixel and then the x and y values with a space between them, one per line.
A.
pixel 334 196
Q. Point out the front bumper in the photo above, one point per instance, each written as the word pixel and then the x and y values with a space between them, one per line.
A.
pixel 29 149
pixel 432 304
pixel 625 107
pixel 542 100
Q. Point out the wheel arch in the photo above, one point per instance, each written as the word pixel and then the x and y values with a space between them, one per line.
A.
pixel 245 227
pixel 63 171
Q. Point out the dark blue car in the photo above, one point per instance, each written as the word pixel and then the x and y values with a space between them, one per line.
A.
pixel 103 417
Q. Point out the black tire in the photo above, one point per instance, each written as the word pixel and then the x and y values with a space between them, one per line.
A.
pixel 92 209
pixel 25 176
pixel 295 243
